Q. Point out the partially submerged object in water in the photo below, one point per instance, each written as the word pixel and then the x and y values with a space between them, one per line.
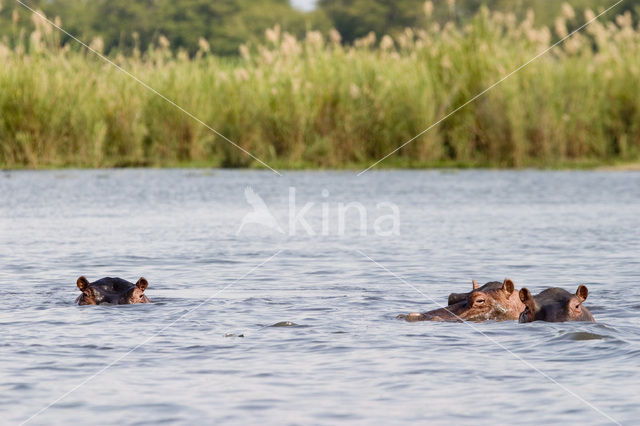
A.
pixel 493 301
pixel 555 305
pixel 115 291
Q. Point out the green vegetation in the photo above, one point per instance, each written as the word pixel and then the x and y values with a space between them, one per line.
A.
pixel 315 102
pixel 124 25
pixel 356 18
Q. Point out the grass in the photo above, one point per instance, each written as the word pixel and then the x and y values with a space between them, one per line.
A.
pixel 314 103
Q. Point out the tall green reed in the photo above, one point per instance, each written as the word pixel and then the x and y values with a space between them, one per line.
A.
pixel 317 103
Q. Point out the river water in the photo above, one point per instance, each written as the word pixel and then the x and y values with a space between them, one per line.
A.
pixel 206 350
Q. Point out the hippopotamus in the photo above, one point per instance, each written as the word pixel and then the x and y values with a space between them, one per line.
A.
pixel 555 305
pixel 115 291
pixel 459 297
pixel 493 301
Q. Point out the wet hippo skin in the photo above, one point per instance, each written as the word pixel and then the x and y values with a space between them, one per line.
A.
pixel 459 297
pixel 115 291
pixel 493 301
pixel 555 305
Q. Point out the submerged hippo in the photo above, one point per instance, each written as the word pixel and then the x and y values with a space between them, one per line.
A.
pixel 555 305
pixel 459 297
pixel 115 291
pixel 493 301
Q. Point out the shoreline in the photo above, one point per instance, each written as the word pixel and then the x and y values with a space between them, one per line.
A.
pixel 633 166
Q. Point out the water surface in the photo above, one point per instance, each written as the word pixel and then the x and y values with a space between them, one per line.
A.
pixel 337 354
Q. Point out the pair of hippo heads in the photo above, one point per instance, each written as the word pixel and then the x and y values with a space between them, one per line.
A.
pixel 114 291
pixel 500 301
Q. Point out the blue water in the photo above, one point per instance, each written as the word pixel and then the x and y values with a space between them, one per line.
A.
pixel 205 352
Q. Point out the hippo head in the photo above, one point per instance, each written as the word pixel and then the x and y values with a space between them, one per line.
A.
pixel 459 297
pixel 113 291
pixel 492 301
pixel 555 305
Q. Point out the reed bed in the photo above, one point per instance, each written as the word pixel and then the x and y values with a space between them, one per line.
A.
pixel 317 103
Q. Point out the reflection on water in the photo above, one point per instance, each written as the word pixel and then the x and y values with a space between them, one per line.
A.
pixel 310 336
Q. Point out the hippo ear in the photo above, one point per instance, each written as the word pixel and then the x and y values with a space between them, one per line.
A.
pixel 456 297
pixel 83 284
pixel 582 292
pixel 142 284
pixel 507 286
pixel 475 285
pixel 524 295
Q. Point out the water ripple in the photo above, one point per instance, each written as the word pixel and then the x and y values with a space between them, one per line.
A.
pixel 311 336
